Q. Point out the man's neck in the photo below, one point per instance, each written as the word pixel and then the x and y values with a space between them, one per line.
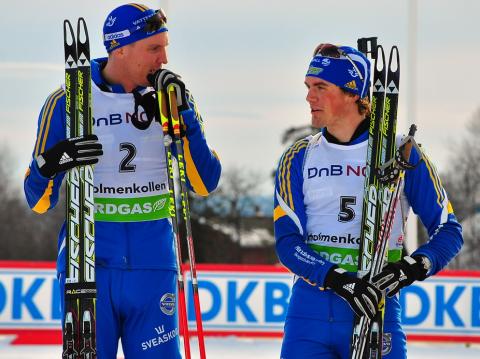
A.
pixel 345 134
pixel 113 74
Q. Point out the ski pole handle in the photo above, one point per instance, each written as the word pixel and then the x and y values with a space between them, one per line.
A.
pixel 174 111
pixel 408 146
pixel 362 45
pixel 163 110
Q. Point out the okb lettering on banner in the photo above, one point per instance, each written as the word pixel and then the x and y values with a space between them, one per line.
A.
pixel 29 299
pixel 244 300
pixel 442 306
pixel 238 302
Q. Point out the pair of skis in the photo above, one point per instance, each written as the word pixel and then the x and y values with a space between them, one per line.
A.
pixel 385 167
pixel 80 289
pixel 170 119
pixel 79 330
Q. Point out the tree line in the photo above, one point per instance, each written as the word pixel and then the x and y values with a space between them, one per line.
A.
pixel 26 235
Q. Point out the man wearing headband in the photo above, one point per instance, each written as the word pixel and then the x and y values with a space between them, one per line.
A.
pixel 318 212
pixel 135 259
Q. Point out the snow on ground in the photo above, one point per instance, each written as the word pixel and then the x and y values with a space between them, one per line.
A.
pixel 234 348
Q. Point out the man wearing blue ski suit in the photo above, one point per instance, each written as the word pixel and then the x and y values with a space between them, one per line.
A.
pixel 318 211
pixel 135 258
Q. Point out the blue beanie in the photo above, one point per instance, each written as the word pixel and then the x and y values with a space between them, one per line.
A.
pixel 341 72
pixel 125 25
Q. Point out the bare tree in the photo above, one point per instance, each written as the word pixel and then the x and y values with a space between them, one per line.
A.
pixel 234 199
pixel 292 134
pixel 463 184
pixel 25 235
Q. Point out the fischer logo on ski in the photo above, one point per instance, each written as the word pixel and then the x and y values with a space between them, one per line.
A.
pixel 367 334
pixel 79 326
pixel 385 170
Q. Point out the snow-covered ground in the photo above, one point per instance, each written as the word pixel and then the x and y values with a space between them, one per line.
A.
pixel 233 348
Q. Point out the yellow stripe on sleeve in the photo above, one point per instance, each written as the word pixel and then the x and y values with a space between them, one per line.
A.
pixel 46 109
pixel 449 208
pixel 44 203
pixel 285 172
pixel 435 180
pixel 192 173
pixel 50 115
pixel 278 212
pixel 283 169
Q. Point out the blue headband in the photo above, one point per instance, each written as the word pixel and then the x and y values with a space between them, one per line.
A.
pixel 126 24
pixel 341 72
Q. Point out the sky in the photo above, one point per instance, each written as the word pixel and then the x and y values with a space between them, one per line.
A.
pixel 245 63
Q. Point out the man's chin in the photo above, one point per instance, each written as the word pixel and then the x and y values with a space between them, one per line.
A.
pixel 317 123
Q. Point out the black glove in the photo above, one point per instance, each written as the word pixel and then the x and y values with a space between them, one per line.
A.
pixel 149 103
pixel 69 153
pixel 395 276
pixel 163 78
pixel 362 297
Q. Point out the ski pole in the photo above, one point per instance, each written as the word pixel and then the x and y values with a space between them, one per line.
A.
pixel 167 138
pixel 175 120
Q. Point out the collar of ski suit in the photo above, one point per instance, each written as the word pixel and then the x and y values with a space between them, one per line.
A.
pixel 360 135
pixel 97 66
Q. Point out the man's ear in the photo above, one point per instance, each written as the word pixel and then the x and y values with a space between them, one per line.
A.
pixel 119 53
pixel 351 97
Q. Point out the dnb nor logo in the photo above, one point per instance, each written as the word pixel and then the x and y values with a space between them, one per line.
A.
pixel 336 170
pixel 167 304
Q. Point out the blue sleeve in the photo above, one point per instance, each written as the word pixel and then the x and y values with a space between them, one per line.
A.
pixel 290 219
pixel 42 193
pixel 202 163
pixel 429 201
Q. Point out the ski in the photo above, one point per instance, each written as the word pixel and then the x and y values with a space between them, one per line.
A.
pixel 371 211
pixel 367 341
pixel 80 288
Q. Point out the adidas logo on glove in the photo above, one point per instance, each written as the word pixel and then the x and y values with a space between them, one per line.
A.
pixel 350 287
pixel 65 158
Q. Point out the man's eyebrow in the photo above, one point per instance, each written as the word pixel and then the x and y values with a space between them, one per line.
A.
pixel 317 84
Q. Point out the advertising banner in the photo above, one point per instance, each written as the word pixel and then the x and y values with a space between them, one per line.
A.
pixel 242 300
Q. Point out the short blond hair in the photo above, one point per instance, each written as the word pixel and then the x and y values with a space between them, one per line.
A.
pixel 363 104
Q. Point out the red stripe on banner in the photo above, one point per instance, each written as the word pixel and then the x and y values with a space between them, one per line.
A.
pixel 265 268
pixel 34 337
pixel 28 264
pixel 459 273
pixel 246 334
pixel 54 336
pixel 443 338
